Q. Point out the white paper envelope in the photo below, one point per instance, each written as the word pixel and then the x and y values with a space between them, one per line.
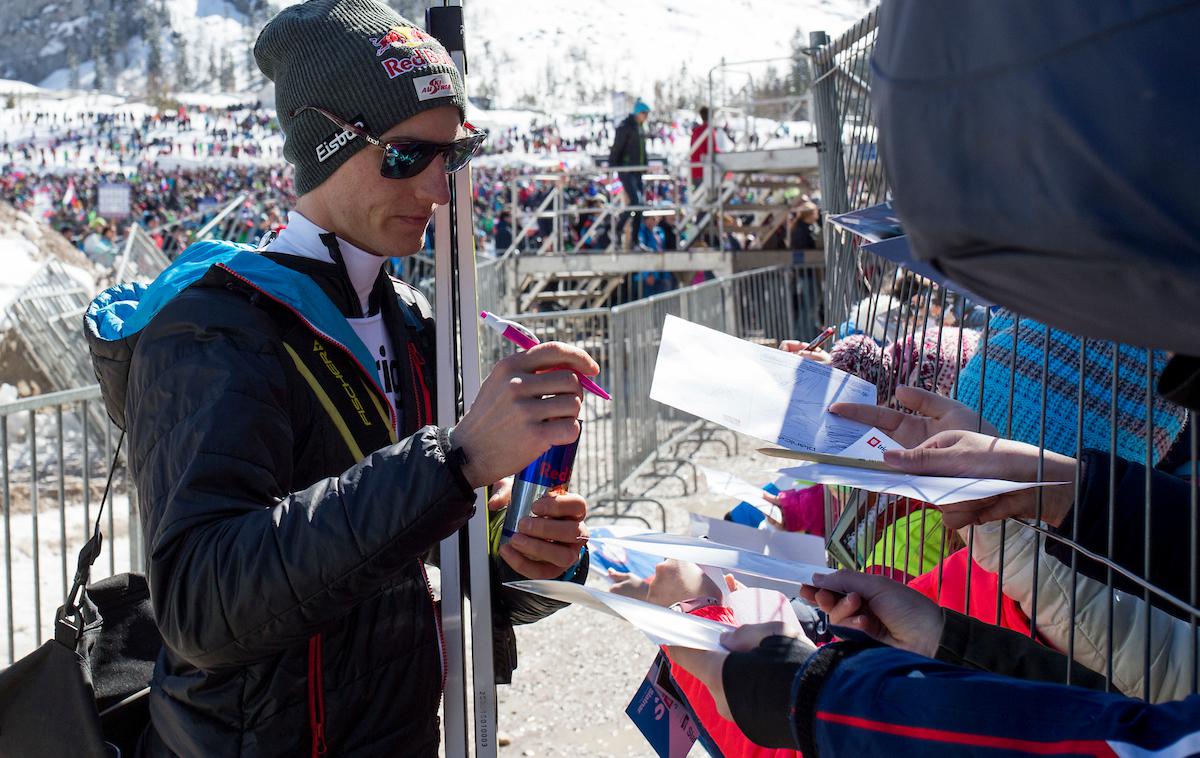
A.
pixel 937 490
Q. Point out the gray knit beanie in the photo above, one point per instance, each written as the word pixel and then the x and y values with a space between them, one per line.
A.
pixel 359 60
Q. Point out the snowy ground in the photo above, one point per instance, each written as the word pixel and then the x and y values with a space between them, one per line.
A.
pixel 558 54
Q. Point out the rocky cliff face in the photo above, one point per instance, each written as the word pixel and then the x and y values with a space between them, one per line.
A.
pixel 101 37
pixel 42 36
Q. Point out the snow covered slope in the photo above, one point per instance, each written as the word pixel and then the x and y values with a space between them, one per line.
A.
pixel 550 54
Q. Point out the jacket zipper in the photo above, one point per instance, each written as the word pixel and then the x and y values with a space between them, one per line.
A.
pixel 316 697
pixel 416 364
pixel 437 623
pixel 425 415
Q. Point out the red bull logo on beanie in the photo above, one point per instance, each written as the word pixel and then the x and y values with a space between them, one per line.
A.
pixel 399 36
pixel 435 85
pixel 420 58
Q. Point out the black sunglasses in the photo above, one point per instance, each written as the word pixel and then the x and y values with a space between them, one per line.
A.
pixel 405 158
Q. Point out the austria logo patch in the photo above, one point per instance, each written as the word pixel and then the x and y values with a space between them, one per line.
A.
pixel 434 85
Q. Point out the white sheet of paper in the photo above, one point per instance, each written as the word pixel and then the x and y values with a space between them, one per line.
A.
pixel 758 606
pixel 733 559
pixel 791 546
pixel 871 446
pixel 938 490
pixel 757 390
pixel 662 626
pixel 725 483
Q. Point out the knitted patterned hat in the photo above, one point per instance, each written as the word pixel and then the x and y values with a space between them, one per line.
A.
pixel 359 60
pixel 1062 377
pixel 932 368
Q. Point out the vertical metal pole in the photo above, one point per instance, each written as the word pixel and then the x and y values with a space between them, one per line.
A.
pixel 458 369
pixel 828 123
pixel 1195 506
pixel 1112 504
pixel 1075 508
pixel 8 579
pixel 1041 467
pixel 36 546
pixel 1146 653
pixel 108 456
pixel 454 704
pixel 84 471
pixel 62 500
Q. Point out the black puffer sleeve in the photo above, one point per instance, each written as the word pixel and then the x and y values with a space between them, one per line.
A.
pixel 239 567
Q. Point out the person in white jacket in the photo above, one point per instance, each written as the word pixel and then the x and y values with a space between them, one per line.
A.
pixel 1173 659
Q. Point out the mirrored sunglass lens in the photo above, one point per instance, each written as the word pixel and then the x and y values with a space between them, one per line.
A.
pixel 402 162
pixel 461 153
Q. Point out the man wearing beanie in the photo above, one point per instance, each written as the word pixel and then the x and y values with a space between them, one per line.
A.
pixel 280 412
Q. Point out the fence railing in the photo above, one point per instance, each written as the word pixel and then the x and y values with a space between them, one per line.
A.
pixel 53 465
pixel 622 438
pixel 55 449
pixel 1129 620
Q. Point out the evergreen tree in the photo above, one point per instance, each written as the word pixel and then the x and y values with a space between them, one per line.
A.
pixel 228 73
pixel 214 73
pixel 183 73
pixel 112 41
pixel 154 61
pixel 100 66
pixel 72 68
pixel 800 77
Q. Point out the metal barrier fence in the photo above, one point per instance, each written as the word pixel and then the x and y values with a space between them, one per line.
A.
pixel 53 463
pixel 1112 582
pixel 494 279
pixel 622 439
pixel 55 449
pixel 47 316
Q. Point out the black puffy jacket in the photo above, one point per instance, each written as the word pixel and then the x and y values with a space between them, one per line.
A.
pixel 629 144
pixel 284 556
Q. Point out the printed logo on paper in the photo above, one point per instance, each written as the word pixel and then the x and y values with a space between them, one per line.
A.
pixel 433 86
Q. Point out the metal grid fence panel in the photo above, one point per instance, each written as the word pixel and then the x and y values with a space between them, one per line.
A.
pixel 53 465
pixel 1112 582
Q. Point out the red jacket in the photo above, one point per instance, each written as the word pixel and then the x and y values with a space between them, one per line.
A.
pixel 985 586
pixel 731 741
pixel 700 149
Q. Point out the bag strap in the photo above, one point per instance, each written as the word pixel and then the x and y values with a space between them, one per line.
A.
pixel 73 605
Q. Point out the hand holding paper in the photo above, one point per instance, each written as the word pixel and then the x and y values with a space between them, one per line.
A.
pixel 967 454
pixel 937 490
pixel 727 558
pixel 660 625
pixel 932 413
pixel 760 391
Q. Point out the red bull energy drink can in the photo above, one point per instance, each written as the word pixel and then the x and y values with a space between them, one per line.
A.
pixel 549 474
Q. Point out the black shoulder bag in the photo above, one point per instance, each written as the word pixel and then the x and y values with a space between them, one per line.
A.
pixel 86 692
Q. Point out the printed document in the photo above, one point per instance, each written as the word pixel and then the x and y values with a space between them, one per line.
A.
pixel 760 391
pixel 735 560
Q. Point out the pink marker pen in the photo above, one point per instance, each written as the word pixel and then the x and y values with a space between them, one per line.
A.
pixel 524 339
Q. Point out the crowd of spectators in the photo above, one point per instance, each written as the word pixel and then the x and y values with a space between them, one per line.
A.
pixel 184 165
